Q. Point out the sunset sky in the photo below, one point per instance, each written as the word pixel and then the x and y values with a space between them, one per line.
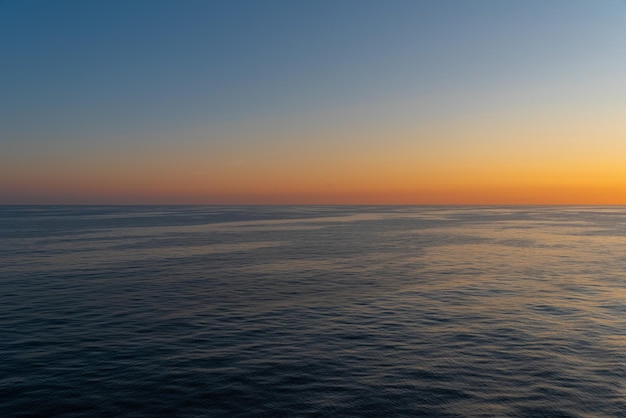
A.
pixel 313 102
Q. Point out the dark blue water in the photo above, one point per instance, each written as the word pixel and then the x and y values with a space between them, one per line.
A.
pixel 312 311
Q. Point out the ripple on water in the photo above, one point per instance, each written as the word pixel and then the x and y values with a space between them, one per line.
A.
pixel 312 311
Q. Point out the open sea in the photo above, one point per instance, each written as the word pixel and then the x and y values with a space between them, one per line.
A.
pixel 312 311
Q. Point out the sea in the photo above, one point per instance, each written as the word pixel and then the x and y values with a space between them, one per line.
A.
pixel 312 311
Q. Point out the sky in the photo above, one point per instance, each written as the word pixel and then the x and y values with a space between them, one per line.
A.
pixel 313 102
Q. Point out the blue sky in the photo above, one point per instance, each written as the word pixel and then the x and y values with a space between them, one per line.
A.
pixel 88 75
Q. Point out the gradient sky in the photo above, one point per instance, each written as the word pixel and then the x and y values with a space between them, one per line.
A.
pixel 390 102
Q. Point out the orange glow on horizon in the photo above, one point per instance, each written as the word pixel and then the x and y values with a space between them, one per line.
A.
pixel 392 173
pixel 162 193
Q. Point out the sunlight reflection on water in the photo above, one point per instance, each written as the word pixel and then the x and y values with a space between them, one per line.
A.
pixel 322 311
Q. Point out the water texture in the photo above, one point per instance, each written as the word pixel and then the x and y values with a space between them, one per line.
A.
pixel 312 311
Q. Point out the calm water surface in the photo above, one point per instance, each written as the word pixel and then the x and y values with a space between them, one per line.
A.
pixel 313 311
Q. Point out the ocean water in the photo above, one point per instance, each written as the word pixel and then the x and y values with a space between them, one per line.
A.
pixel 216 311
